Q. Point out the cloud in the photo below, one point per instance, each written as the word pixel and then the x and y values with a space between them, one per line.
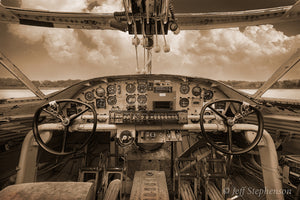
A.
pixel 253 53
pixel 65 45
pixel 74 6
pixel 229 53
pixel 55 5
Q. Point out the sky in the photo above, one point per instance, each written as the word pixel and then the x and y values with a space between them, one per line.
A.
pixel 253 53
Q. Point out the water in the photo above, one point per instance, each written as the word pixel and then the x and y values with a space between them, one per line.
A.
pixel 278 93
pixel 273 93
pixel 21 93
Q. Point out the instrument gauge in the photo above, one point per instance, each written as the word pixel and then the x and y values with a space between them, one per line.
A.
pixel 130 88
pixel 142 99
pixel 125 139
pixel 208 94
pixel 142 88
pixel 111 100
pixel 184 102
pixel 100 92
pixel 111 89
pixel 89 96
pixel 130 99
pixel 184 88
pixel 196 91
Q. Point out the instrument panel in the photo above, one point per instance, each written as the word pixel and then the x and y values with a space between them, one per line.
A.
pixel 150 100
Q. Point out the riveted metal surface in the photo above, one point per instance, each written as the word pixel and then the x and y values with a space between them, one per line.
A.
pixel 149 185
pixel 49 191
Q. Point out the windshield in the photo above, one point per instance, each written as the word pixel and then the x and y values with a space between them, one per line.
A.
pixel 234 54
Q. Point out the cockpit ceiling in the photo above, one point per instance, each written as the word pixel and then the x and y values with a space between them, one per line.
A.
pixel 196 6
pixel 289 28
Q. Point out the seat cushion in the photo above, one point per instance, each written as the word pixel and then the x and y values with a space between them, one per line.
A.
pixel 49 190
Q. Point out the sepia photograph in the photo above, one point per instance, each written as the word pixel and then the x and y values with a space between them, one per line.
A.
pixel 149 100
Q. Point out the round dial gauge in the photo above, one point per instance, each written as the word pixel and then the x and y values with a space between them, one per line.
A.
pixel 125 138
pixel 184 102
pixel 89 96
pixel 142 88
pixel 142 99
pixel 184 88
pixel 100 92
pixel 111 100
pixel 111 89
pixel 130 99
pixel 196 91
pixel 208 94
pixel 130 88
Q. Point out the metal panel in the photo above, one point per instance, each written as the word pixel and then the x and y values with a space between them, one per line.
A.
pixel 210 20
pixel 56 19
pixel 149 185
pixel 49 191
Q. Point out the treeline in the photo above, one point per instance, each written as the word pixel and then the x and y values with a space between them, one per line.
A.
pixel 15 83
pixel 286 84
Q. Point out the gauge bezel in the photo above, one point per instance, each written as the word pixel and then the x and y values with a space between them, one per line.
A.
pixel 198 93
pixel 208 95
pixel 181 102
pixel 130 97
pixel 139 99
pixel 130 90
pixel 142 90
pixel 100 88
pixel 109 100
pixel 113 87
pixel 184 91
pixel 91 98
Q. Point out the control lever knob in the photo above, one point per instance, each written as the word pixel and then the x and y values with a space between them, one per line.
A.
pixel 157 49
pixel 135 41
pixel 166 48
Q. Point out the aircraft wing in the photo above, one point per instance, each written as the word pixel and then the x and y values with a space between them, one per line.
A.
pixel 56 19
pixel 187 21
pixel 199 21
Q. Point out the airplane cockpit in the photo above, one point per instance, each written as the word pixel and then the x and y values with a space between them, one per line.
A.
pixel 149 136
pixel 143 136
